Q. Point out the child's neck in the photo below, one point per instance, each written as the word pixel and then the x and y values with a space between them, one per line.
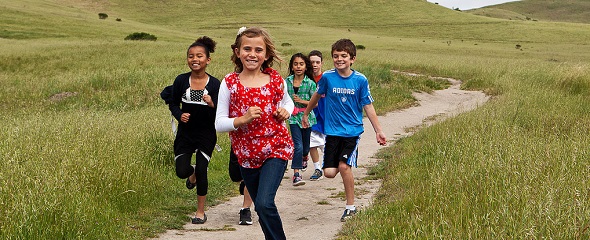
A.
pixel 198 74
pixel 344 72
pixel 254 78
pixel 298 78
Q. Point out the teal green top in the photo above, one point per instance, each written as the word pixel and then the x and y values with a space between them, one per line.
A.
pixel 306 90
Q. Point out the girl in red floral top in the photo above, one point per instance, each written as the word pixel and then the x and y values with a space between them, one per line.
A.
pixel 253 104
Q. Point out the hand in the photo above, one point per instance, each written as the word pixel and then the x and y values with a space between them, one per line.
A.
pixel 304 121
pixel 252 113
pixel 381 139
pixel 207 99
pixel 281 114
pixel 296 98
pixel 184 117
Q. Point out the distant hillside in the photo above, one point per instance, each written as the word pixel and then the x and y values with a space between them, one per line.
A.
pixel 542 10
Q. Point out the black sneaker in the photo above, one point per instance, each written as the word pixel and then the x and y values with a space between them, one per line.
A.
pixel 347 214
pixel 305 158
pixel 190 185
pixel 245 217
pixel 197 220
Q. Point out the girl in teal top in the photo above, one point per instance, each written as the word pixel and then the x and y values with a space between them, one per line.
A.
pixel 301 87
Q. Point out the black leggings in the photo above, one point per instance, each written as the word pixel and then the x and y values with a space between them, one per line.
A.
pixel 184 169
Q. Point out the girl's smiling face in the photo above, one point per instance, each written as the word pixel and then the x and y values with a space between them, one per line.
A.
pixel 252 53
pixel 197 59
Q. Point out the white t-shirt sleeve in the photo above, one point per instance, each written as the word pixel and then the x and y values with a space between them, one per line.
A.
pixel 287 102
pixel 223 123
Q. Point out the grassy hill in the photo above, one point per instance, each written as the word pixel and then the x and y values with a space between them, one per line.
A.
pixel 87 148
pixel 542 10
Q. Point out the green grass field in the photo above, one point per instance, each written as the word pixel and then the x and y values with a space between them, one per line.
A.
pixel 86 144
pixel 544 10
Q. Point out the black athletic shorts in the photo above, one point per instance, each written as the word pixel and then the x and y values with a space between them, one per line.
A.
pixel 340 149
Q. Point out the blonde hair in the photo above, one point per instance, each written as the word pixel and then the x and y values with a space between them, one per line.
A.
pixel 271 52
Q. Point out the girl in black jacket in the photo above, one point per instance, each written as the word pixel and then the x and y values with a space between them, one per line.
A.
pixel 196 91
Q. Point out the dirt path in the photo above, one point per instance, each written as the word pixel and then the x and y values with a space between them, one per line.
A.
pixel 302 215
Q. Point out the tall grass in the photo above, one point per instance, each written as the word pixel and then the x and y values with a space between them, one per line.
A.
pixel 515 168
pixel 93 175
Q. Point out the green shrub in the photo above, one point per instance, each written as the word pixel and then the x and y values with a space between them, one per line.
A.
pixel 141 36
pixel 360 47
pixel 103 16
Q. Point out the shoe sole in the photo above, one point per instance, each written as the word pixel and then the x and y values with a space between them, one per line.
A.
pixel 300 183
pixel 245 223
pixel 315 179
pixel 345 218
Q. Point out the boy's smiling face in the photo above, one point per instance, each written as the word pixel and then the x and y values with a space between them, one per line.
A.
pixel 342 60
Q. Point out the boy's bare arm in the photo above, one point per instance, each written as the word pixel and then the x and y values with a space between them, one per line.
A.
pixel 313 102
pixel 372 115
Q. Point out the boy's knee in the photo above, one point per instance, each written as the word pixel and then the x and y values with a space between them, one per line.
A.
pixel 330 173
pixel 344 168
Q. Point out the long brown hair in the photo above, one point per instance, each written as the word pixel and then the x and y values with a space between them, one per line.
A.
pixel 308 68
pixel 271 52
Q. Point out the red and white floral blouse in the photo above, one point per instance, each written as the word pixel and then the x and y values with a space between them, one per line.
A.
pixel 265 137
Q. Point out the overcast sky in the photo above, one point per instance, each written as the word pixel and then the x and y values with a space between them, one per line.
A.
pixel 468 4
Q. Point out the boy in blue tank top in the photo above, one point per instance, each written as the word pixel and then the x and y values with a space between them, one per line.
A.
pixel 347 94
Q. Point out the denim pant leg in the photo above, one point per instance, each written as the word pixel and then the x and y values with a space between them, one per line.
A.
pixel 305 139
pixel 263 183
pixel 296 134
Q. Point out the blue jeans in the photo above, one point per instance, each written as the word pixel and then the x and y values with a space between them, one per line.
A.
pixel 262 184
pixel 301 143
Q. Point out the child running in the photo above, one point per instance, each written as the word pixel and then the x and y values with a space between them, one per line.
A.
pixel 317 139
pixel 301 86
pixel 253 107
pixel 197 91
pixel 347 93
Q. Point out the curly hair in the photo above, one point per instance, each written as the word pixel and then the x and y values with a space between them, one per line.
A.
pixel 206 42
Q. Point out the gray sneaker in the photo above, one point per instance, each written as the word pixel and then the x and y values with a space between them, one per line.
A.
pixel 297 181
pixel 347 214
pixel 317 175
